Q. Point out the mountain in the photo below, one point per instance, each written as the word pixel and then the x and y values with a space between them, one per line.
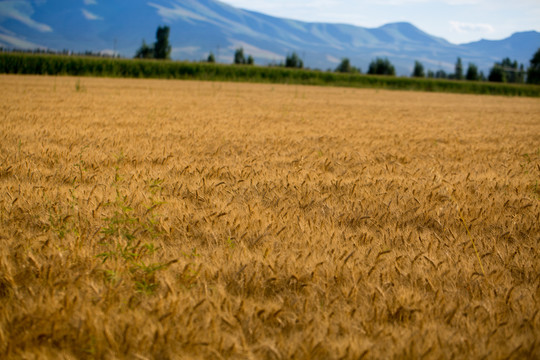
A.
pixel 202 26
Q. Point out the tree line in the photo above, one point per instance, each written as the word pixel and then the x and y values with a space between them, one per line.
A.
pixel 506 71
pixel 64 52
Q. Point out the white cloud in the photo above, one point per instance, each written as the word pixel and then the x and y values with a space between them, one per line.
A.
pixel 492 19
pixel 175 13
pixel 5 31
pixel 90 2
pixel 332 59
pixel 462 27
pixel 343 4
pixel 90 16
pixel 191 50
pixel 255 51
pixel 12 41
pixel 108 52
pixel 22 11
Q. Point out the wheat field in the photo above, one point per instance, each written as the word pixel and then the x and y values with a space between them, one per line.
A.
pixel 161 219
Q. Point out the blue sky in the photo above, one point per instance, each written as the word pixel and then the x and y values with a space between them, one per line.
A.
pixel 458 21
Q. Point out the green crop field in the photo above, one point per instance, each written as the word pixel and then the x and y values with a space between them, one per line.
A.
pixel 32 64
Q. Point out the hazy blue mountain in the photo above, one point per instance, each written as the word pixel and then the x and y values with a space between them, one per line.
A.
pixel 517 46
pixel 202 26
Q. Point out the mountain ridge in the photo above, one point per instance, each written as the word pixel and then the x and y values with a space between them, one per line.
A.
pixel 201 27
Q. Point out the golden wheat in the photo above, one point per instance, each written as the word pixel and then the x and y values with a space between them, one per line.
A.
pixel 158 219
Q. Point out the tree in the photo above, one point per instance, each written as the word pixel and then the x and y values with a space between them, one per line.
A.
pixel 239 58
pixel 418 69
pixel 510 68
pixel 459 70
pixel 344 66
pixel 496 74
pixel 520 79
pixel 381 67
pixel 507 71
pixel 472 73
pixel 533 74
pixel 145 51
pixel 430 74
pixel 211 58
pixel 441 74
pixel 482 76
pixel 294 61
pixel 162 48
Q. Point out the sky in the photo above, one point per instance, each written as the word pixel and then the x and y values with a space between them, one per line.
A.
pixel 458 21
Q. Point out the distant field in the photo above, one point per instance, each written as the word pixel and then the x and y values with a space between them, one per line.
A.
pixel 156 219
pixel 39 64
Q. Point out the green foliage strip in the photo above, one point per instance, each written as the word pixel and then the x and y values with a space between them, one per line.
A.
pixel 15 63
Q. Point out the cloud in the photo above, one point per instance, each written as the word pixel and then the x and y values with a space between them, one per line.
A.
pixel 175 13
pixel 333 59
pixel 255 51
pixel 5 31
pixel 90 16
pixel 108 52
pixel 408 2
pixel 22 11
pixel 12 41
pixel 90 2
pixel 462 27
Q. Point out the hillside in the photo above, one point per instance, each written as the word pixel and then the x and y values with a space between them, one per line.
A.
pixel 200 27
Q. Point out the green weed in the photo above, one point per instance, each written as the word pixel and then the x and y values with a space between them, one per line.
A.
pixel 78 86
pixel 122 234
